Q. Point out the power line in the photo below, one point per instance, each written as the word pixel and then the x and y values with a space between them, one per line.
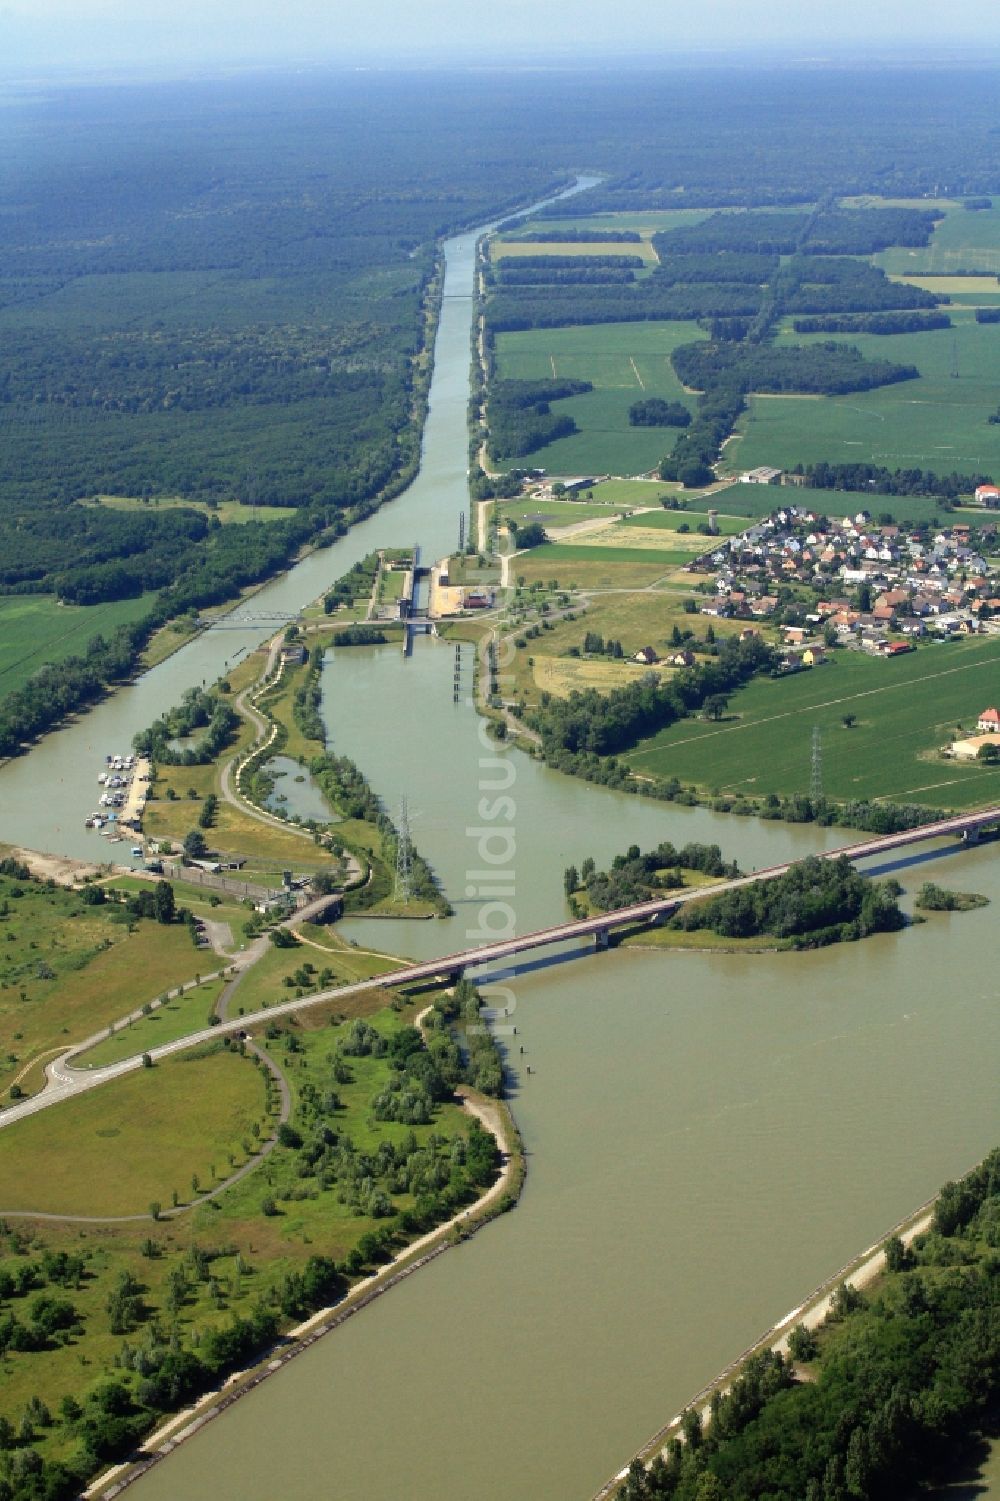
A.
pixel 816 773
pixel 404 852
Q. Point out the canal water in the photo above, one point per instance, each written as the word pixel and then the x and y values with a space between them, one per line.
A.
pixel 708 1136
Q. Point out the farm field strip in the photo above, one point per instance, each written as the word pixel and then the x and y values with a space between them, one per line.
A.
pixel 517 249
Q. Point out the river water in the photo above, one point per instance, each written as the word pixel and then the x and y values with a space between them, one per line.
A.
pixel 708 1136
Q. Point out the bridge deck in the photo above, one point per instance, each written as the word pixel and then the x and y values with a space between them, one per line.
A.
pixel 66 1080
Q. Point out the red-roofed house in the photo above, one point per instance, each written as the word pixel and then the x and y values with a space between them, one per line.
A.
pixel 989 721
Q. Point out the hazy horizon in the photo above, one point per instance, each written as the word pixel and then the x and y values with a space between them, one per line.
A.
pixel 38 37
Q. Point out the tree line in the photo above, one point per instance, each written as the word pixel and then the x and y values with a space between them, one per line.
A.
pixel 872 323
pixel 884 1397
pixel 520 417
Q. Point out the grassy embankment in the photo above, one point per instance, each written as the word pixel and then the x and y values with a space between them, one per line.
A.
pixel 67 970
pixel 190 1122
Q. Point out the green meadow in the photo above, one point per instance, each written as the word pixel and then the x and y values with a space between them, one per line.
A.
pixel 565 552
pixel 625 362
pixel 36 628
pixel 672 521
pixel 939 421
pixel 906 709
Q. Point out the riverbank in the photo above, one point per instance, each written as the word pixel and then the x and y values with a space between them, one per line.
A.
pixel 861 1272
pixel 501 1196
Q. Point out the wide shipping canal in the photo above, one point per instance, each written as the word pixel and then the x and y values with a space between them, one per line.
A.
pixel 709 1136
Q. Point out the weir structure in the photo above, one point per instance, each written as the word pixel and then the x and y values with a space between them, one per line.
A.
pixel 65 1081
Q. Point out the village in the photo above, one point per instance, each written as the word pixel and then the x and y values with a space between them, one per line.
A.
pixel 853 582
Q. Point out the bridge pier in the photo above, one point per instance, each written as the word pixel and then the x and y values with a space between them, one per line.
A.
pixel 971 836
pixel 600 940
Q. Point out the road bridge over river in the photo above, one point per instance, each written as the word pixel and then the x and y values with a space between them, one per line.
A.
pixel 64 1080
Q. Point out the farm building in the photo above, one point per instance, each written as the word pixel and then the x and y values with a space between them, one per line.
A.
pixel 762 475
pixel 989 722
pixel 988 496
pixel 968 750
pixel 647 656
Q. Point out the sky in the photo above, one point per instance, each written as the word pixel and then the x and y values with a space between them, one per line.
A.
pixel 39 35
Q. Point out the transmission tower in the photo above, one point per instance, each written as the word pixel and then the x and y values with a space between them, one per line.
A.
pixel 954 358
pixel 404 850
pixel 250 490
pixel 816 777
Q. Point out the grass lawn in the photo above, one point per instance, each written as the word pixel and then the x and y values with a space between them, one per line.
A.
pixel 634 492
pixel 671 521
pixel 939 421
pixel 606 552
pixel 906 710
pixel 176 1018
pixel 562 676
pixel 117 1149
pixel 263 984
pixel 67 970
pixel 552 513
pixel 625 362
pixel 572 567
pixel 36 628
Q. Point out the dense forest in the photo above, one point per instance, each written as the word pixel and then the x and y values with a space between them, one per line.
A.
pixel 520 418
pixel 895 1386
pixel 826 368
pixel 814 903
pixel 882 481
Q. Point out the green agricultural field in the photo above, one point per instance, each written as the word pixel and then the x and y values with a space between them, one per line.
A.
pixel 625 362
pixel 36 628
pixel 576 568
pixel 635 492
pixel 906 709
pixel 962 241
pixel 939 421
pixel 749 501
pixel 133 1141
pixel 551 513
